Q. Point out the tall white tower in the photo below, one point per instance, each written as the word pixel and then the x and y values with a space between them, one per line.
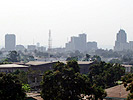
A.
pixel 49 41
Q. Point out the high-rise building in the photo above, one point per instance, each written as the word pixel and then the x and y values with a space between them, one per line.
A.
pixel 131 45
pixel 10 42
pixel 80 43
pixel 77 43
pixel 91 46
pixel 121 36
pixel 121 41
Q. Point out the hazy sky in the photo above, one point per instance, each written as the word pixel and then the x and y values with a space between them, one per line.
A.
pixel 99 19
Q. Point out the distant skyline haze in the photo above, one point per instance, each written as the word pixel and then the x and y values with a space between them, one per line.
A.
pixel 30 20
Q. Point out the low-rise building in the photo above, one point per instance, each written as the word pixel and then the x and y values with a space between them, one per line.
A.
pixel 41 67
pixel 31 48
pixel 20 48
pixel 36 70
pixel 8 68
pixel 44 66
pixel 128 68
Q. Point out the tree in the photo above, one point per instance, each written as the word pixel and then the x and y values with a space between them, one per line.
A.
pixel 72 58
pixel 34 78
pixel 99 92
pixel 13 56
pixel 115 61
pixel 22 76
pixel 26 87
pixel 5 61
pixel 73 64
pixel 10 88
pixel 31 58
pixel 128 83
pixel 105 74
pixel 87 57
pixel 65 82
pixel 96 58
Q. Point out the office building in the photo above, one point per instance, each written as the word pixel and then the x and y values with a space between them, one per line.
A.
pixel 41 49
pixel 80 43
pixel 77 43
pixel 91 46
pixel 121 36
pixel 20 48
pixel 121 41
pixel 32 48
pixel 10 42
pixel 131 45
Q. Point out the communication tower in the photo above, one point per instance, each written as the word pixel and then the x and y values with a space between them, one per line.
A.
pixel 49 41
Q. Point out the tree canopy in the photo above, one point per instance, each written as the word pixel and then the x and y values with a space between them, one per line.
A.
pixel 65 82
pixel 105 74
pixel 13 56
pixel 21 75
pixel 128 83
pixel 10 88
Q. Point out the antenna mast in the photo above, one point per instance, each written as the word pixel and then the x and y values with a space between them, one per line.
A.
pixel 49 41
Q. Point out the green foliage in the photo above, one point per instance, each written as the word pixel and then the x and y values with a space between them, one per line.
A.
pixel 26 87
pixel 34 77
pixel 115 61
pixel 10 88
pixel 131 69
pixel 99 92
pixel 87 57
pixel 22 76
pixel 96 58
pixel 13 56
pixel 128 83
pixel 58 66
pixel 31 58
pixel 72 58
pixel 5 61
pixel 66 83
pixel 105 74
pixel 108 53
pixel 76 54
pixel 73 64
pixel 119 56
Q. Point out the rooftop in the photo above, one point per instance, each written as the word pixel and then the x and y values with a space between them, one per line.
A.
pixel 41 62
pixel 34 95
pixel 118 91
pixel 37 63
pixel 127 65
pixel 80 62
pixel 12 66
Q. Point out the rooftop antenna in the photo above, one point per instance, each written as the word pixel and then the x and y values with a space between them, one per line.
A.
pixel 49 41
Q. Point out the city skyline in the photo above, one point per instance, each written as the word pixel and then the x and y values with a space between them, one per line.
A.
pixel 36 43
pixel 100 20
